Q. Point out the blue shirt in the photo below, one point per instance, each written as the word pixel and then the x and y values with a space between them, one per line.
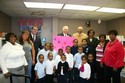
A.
pixel 40 68
pixel 77 59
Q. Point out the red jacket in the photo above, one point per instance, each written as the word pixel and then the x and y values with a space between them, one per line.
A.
pixel 113 54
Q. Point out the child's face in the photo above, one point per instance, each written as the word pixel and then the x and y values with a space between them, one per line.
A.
pixel 47 47
pixel 51 47
pixel 60 52
pixel 84 60
pixel 63 58
pixel 50 57
pixel 41 59
pixel 68 49
pixel 80 50
pixel 90 57
pixel 84 42
pixel 75 43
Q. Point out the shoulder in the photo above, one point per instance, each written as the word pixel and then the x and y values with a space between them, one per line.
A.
pixel 69 35
pixel 76 54
pixel 87 64
pixel 60 34
pixel 75 34
pixel 31 43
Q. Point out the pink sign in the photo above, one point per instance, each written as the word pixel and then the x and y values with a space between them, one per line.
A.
pixel 62 42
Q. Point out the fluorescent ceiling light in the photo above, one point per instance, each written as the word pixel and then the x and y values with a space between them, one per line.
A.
pixel 111 10
pixel 80 7
pixel 43 5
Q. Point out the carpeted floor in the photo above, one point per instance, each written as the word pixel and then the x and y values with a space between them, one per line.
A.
pixel 122 79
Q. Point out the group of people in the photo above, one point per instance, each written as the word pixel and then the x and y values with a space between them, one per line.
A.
pixel 89 60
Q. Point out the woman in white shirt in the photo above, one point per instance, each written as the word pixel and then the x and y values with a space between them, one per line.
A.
pixel 12 60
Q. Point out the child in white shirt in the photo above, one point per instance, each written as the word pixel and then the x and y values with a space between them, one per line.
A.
pixel 40 69
pixel 69 59
pixel 53 51
pixel 44 51
pixel 50 68
pixel 58 57
pixel 85 70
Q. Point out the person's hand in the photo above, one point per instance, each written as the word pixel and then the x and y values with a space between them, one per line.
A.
pixel 25 67
pixel 6 75
pixel 33 62
pixel 70 69
pixel 114 69
pixel 37 77
pixel 87 78
pixel 101 64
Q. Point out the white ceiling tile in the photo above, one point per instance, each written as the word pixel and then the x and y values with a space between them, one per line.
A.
pixel 35 9
pixel 99 2
pixel 33 0
pixel 17 8
pixel 78 1
pixel 68 12
pixel 50 12
pixel 117 4
pixel 12 4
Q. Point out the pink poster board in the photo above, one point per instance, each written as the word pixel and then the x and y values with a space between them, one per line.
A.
pixel 62 42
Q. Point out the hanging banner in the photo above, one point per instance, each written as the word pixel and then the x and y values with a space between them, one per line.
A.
pixel 62 42
pixel 30 22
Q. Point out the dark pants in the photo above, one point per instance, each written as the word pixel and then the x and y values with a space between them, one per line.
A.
pixel 33 74
pixel 70 76
pixel 76 75
pixel 83 80
pixel 41 80
pixel 92 79
pixel 109 73
pixel 49 78
pixel 100 73
pixel 62 79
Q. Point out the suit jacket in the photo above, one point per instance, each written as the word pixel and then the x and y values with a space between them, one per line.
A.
pixel 61 34
pixel 37 44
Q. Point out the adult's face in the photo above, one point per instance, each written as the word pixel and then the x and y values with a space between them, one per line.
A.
pixel 112 37
pixel 34 30
pixel 102 39
pixel 79 31
pixel 12 39
pixel 25 36
pixel 65 31
pixel 91 34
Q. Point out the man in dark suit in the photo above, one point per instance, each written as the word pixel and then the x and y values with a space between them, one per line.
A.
pixel 35 38
pixel 65 32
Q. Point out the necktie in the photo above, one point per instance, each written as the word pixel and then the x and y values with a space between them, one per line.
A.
pixel 34 38
pixel 81 68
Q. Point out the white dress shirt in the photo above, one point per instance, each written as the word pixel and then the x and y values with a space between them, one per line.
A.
pixel 50 64
pixel 54 54
pixel 57 60
pixel 69 59
pixel 87 71
pixel 45 54
pixel 40 68
pixel 12 56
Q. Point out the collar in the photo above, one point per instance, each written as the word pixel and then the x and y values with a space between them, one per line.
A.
pixel 63 61
pixel 111 43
